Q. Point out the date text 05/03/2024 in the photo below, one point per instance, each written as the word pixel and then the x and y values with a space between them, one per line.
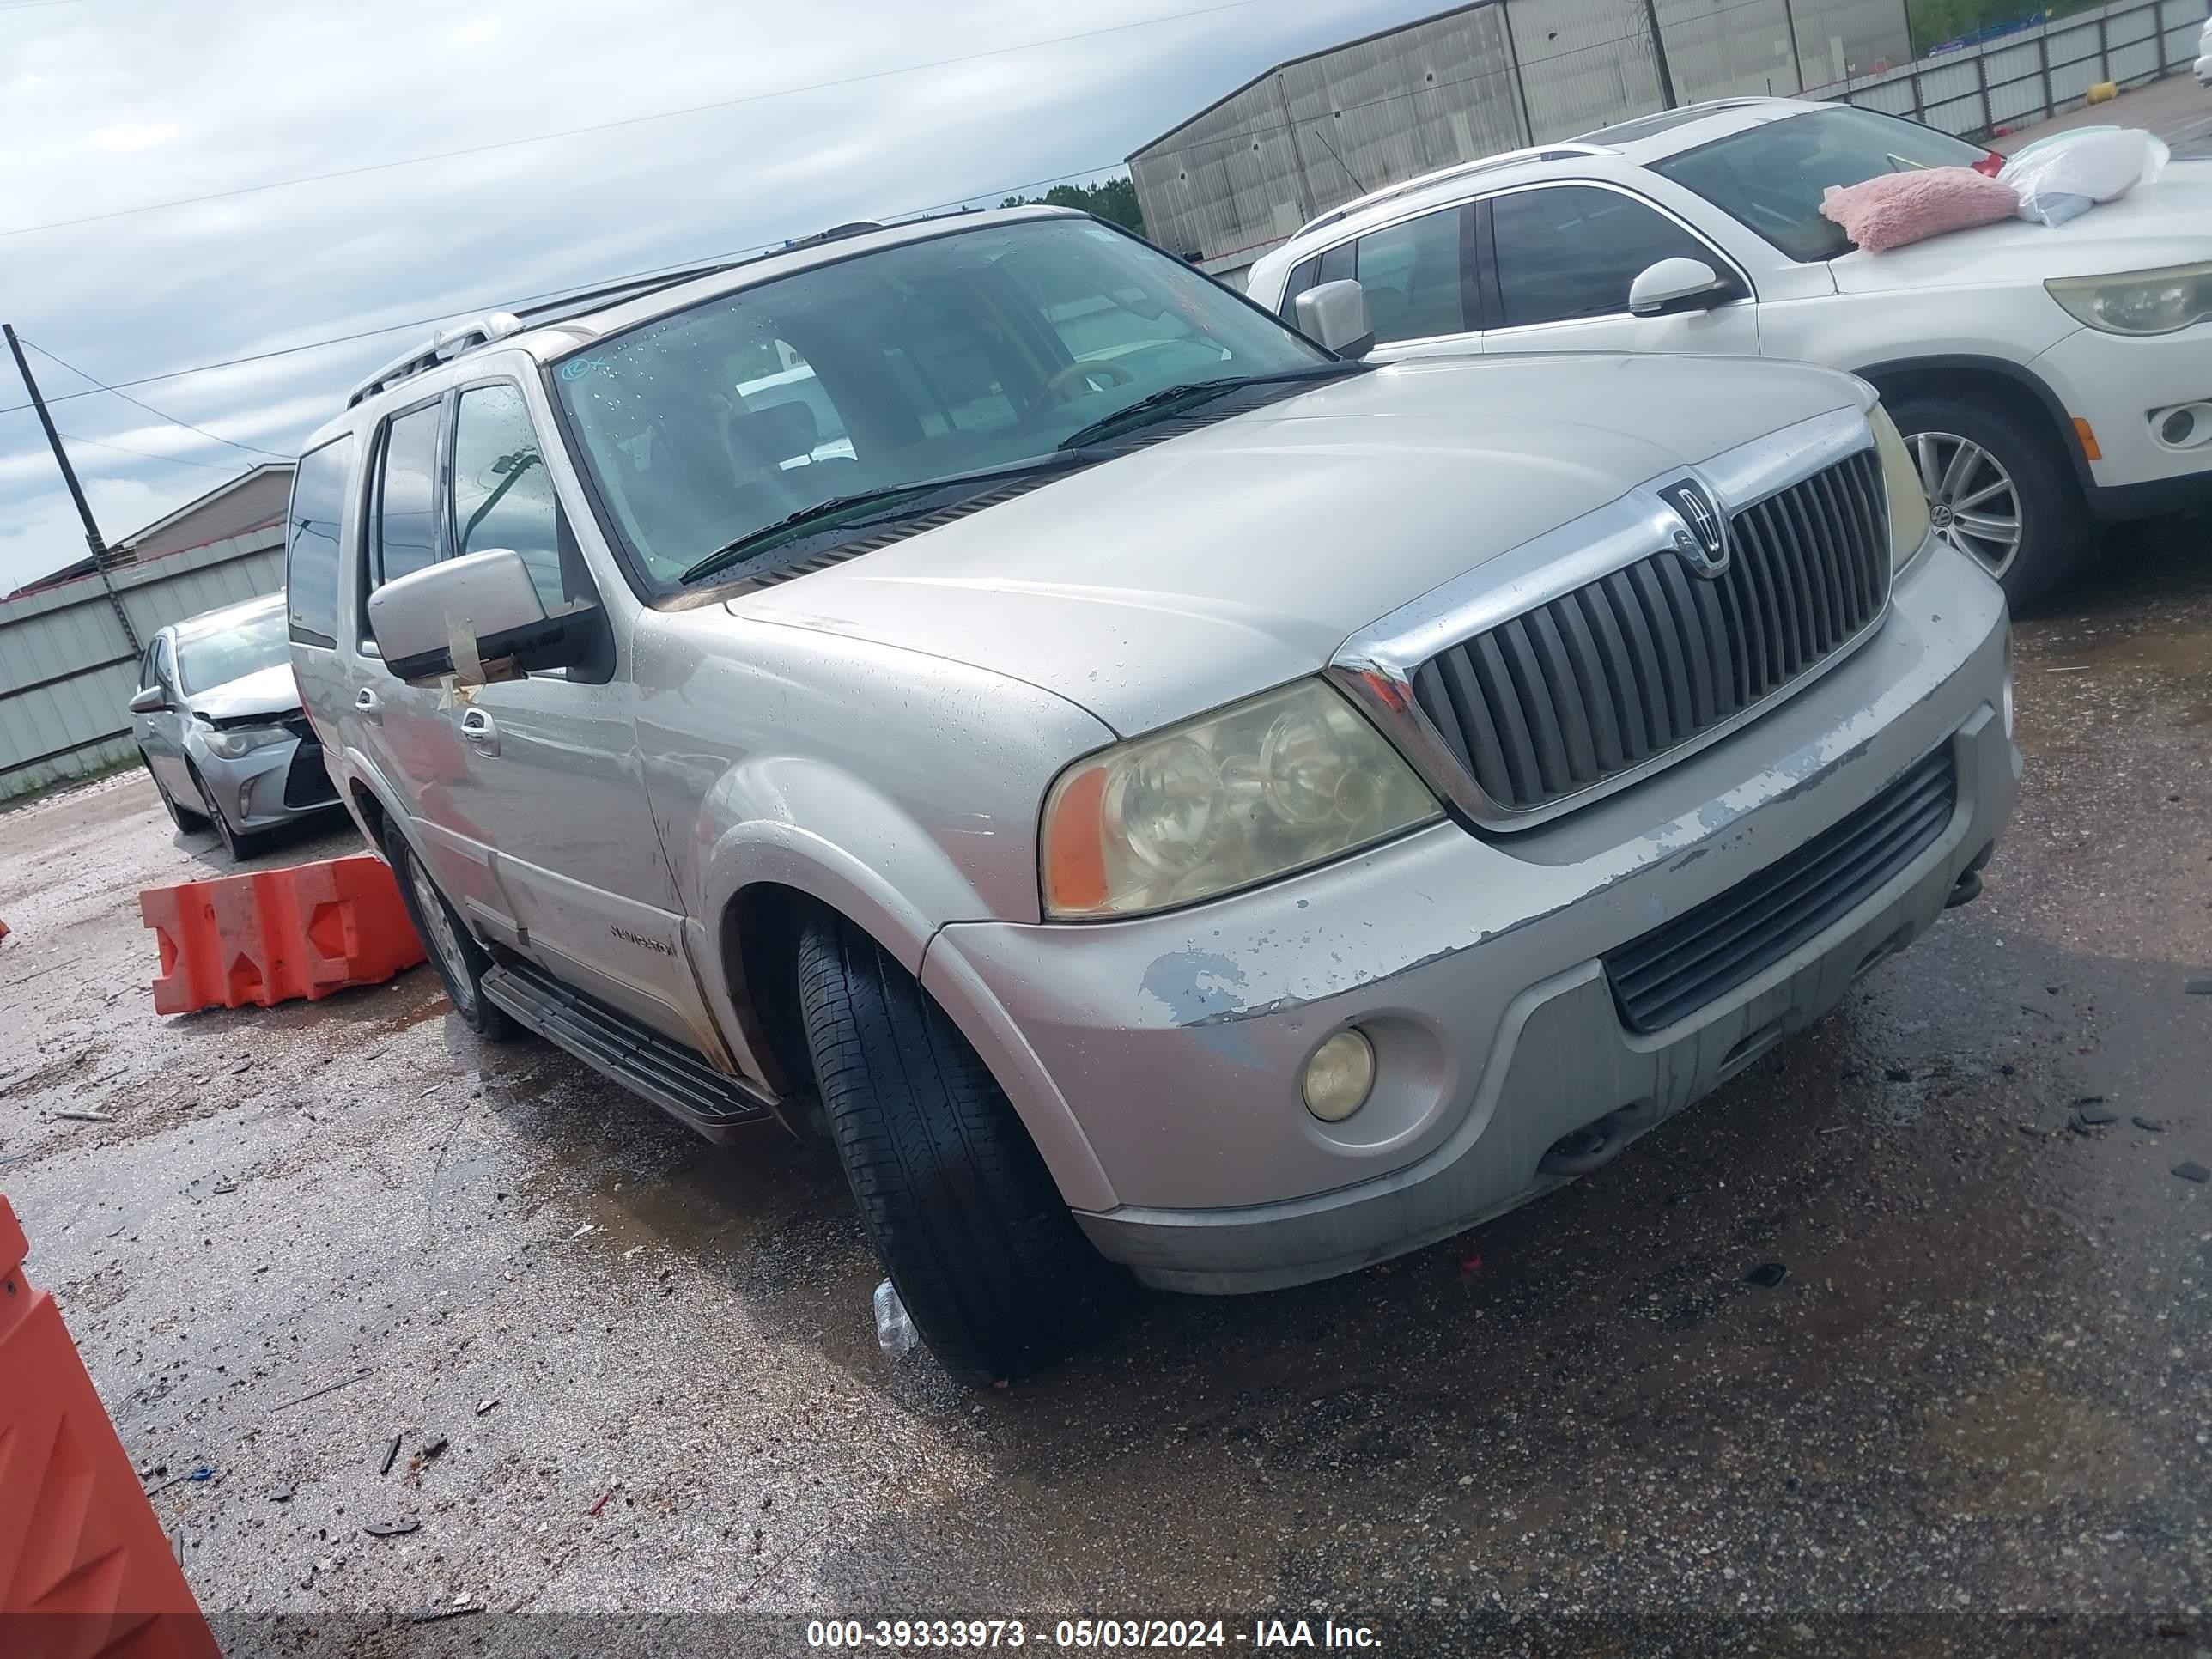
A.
pixel 903 1634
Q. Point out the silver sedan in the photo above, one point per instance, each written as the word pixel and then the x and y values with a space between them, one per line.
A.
pixel 218 722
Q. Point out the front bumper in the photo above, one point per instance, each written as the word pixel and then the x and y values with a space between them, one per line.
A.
pixel 2124 388
pixel 276 783
pixel 1156 1060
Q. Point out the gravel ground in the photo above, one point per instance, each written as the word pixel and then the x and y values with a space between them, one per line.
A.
pixel 631 1374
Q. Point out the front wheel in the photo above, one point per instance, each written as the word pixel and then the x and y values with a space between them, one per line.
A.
pixel 460 961
pixel 963 1212
pixel 190 824
pixel 239 843
pixel 2000 489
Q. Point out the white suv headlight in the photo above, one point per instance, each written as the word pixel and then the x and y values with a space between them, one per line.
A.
pixel 1282 781
pixel 1908 496
pixel 234 742
pixel 2140 302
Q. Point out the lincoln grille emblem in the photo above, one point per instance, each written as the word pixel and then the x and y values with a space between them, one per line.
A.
pixel 1703 542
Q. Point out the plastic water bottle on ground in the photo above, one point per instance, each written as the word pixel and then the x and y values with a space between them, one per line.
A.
pixel 894 1330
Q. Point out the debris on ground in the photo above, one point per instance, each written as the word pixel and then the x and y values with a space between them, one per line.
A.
pixel 301 1400
pixel 392 1529
pixel 1766 1275
pixel 483 1405
pixel 2092 1117
pixel 431 1615
pixel 895 1331
pixel 606 1497
pixel 2192 1170
pixel 391 1455
pixel 86 1117
pixel 2150 1125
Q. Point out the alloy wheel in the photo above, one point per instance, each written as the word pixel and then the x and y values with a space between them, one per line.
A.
pixel 1973 505
pixel 439 925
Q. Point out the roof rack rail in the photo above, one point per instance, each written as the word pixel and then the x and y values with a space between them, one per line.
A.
pixel 442 347
pixel 1554 152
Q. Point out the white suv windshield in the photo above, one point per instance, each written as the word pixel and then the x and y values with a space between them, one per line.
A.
pixel 1771 177
pixel 978 349
pixel 212 660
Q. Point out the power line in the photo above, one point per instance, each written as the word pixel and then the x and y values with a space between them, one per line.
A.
pixel 626 121
pixel 508 302
pixel 125 449
pixel 250 449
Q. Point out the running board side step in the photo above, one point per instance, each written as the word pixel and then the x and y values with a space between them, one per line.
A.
pixel 672 1077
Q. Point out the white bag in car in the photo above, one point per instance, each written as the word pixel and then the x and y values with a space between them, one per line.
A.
pixel 2063 176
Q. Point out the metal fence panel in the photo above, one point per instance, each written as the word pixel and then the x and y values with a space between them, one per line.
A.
pixel 66 670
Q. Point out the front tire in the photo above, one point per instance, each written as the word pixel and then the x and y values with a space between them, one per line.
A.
pixel 460 962
pixel 963 1212
pixel 2000 489
pixel 190 824
pixel 239 844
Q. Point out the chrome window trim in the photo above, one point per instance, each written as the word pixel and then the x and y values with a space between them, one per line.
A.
pixel 1376 666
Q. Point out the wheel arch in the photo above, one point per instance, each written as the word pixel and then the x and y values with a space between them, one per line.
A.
pixel 1956 375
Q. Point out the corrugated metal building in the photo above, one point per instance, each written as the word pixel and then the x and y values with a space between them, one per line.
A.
pixel 1242 175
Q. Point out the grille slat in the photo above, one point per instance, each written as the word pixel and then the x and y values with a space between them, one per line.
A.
pixel 1646 658
pixel 1736 936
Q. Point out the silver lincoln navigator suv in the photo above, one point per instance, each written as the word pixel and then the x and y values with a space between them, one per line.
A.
pixel 1171 801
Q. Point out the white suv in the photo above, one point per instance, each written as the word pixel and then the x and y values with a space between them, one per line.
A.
pixel 2049 377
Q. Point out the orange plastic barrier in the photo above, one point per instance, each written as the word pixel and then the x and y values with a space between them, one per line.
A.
pixel 85 1568
pixel 305 932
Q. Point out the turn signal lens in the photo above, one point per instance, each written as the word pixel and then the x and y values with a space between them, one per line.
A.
pixel 1263 788
pixel 1908 497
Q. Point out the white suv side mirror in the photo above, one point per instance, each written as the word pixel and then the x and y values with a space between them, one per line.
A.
pixel 1672 285
pixel 485 602
pixel 1335 313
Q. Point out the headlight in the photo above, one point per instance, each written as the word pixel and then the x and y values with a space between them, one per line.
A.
pixel 234 742
pixel 1900 478
pixel 1277 783
pixel 2141 302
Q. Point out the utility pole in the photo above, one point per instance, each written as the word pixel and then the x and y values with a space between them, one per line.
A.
pixel 77 490
pixel 1659 51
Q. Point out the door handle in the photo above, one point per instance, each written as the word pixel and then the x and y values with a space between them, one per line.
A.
pixel 478 729
pixel 368 704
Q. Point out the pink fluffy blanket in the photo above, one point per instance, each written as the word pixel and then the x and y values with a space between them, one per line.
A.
pixel 1897 208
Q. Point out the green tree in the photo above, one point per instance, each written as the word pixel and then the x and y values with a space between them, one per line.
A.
pixel 1115 200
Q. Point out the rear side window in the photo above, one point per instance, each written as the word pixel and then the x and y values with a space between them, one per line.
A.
pixel 1571 251
pixel 1415 278
pixel 404 527
pixel 310 542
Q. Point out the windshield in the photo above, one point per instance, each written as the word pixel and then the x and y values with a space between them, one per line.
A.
pixel 1771 177
pixel 974 350
pixel 207 660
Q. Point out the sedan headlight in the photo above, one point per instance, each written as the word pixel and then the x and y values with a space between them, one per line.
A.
pixel 1277 783
pixel 2141 302
pixel 235 742
pixel 1908 496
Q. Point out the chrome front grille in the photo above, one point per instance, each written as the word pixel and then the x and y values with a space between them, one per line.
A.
pixel 1614 674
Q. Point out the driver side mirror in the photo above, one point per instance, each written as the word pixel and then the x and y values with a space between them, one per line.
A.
pixel 1675 285
pixel 482 606
pixel 1335 313
pixel 151 700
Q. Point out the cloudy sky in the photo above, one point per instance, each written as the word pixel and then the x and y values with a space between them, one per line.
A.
pixel 822 111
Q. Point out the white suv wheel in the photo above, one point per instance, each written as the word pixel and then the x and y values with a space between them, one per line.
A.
pixel 1973 505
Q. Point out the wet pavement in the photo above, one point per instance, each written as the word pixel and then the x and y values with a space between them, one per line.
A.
pixel 1976 1406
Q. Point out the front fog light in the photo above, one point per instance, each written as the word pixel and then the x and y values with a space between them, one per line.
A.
pixel 1339 1077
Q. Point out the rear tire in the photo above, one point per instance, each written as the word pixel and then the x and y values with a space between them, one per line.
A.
pixel 460 962
pixel 2021 474
pixel 192 823
pixel 966 1218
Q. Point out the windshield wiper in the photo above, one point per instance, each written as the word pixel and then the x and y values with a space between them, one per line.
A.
pixel 754 541
pixel 1188 394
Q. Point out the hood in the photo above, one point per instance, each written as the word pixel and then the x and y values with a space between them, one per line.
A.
pixel 2155 225
pixel 1218 563
pixel 267 691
